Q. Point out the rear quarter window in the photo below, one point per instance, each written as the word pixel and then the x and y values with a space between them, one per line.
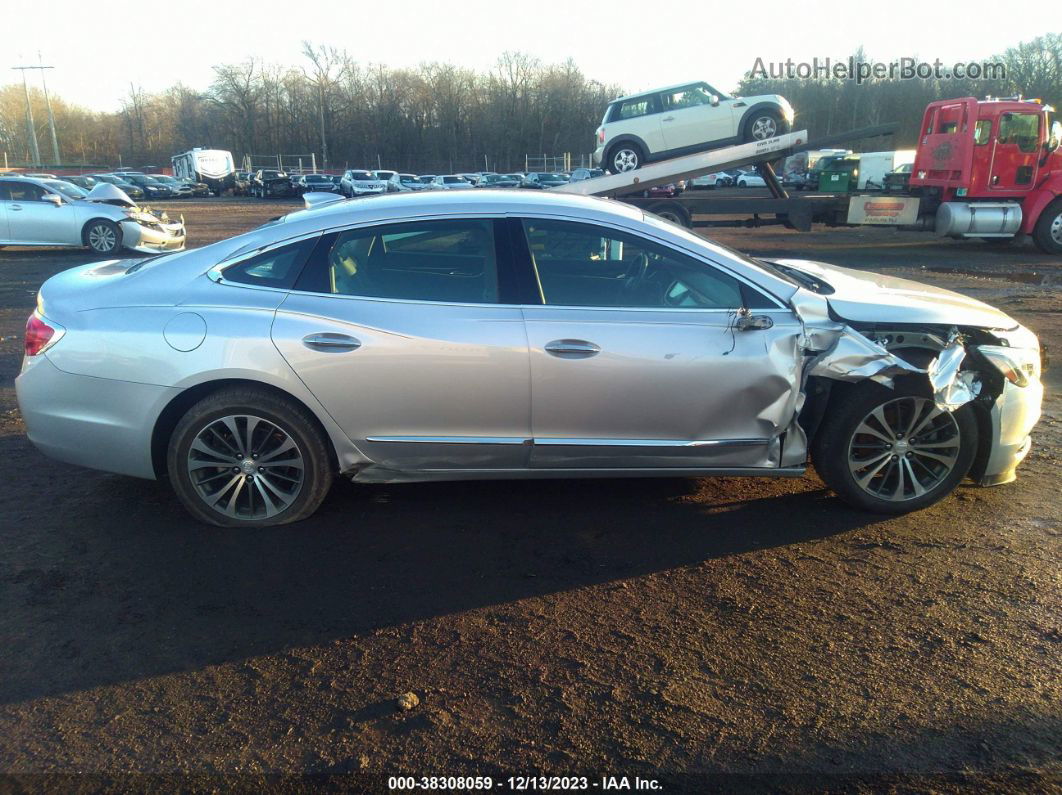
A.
pixel 633 108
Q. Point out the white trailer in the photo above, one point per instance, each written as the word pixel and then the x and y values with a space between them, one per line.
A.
pixel 873 166
pixel 213 167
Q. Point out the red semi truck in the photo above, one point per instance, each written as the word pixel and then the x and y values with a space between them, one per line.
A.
pixel 987 169
pixel 990 169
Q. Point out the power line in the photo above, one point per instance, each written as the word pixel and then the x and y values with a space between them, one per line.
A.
pixel 30 128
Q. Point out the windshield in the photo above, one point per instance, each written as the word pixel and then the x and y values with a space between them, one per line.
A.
pixel 68 189
pixel 316 178
pixel 426 178
pixel 361 175
pixel 449 180
pixel 384 174
pixel 408 179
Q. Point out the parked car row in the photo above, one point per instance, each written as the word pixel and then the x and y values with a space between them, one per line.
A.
pixel 352 183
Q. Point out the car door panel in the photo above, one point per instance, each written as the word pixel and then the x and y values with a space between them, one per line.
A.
pixel 4 234
pixel 636 361
pixel 42 222
pixel 667 389
pixel 429 386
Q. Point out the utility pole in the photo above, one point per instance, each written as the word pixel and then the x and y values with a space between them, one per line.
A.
pixel 48 103
pixel 31 131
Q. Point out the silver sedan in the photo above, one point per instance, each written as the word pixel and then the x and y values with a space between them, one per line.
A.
pixel 502 334
pixel 51 212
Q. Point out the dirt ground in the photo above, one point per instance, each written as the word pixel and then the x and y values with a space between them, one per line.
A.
pixel 707 634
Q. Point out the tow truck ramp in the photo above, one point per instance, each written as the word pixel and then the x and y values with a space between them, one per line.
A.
pixel 778 208
pixel 686 167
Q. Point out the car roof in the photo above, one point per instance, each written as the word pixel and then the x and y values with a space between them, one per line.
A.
pixel 407 206
pixel 657 90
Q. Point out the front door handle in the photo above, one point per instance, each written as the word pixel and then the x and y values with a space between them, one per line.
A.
pixel 669 118
pixel 332 343
pixel 572 349
pixel 15 207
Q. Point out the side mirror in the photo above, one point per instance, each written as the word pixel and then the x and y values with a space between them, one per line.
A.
pixel 54 198
pixel 713 100
pixel 1056 137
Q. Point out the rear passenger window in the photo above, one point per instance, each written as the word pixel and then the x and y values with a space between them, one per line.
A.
pixel 278 268
pixel 451 261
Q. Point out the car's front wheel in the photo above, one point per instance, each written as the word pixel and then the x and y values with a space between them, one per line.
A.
pixel 892 450
pixel 244 457
pixel 102 236
pixel 763 125
pixel 625 157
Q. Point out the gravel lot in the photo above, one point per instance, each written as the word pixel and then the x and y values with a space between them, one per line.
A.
pixel 722 633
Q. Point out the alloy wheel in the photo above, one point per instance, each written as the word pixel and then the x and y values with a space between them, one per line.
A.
pixel 245 467
pixel 903 449
pixel 764 127
pixel 625 160
pixel 102 238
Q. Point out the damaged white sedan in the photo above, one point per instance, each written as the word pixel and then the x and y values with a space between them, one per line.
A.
pixel 499 334
pixel 51 212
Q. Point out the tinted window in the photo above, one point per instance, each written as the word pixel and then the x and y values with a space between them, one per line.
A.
pixel 279 267
pixel 1022 129
pixel 451 261
pixel 584 265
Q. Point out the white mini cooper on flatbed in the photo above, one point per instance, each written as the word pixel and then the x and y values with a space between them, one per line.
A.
pixel 682 119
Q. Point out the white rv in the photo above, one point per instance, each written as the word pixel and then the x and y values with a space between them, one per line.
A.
pixel 214 167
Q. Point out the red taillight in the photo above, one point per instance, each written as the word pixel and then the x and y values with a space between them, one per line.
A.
pixel 601 135
pixel 38 335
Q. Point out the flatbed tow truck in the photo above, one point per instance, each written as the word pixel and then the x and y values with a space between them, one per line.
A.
pixel 989 169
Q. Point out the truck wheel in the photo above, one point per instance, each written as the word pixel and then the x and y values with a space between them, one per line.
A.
pixel 673 212
pixel 625 157
pixel 892 450
pixel 1048 230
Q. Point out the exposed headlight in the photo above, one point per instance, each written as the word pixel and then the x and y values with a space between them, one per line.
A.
pixel 1017 365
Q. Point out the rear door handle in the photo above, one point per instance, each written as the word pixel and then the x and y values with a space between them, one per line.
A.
pixel 669 118
pixel 16 206
pixel 333 343
pixel 572 349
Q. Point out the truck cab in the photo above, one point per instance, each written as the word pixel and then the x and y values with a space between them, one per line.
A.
pixel 991 169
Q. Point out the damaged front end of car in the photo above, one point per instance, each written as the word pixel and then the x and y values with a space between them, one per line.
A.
pixel 994 370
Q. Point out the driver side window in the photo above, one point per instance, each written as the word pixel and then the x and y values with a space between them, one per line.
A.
pixel 586 265
pixel 23 192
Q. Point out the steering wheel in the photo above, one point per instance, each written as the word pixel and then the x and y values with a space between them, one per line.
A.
pixel 636 272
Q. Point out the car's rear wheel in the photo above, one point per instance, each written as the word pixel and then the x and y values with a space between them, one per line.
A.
pixel 248 458
pixel 1047 234
pixel 102 236
pixel 625 157
pixel 892 450
pixel 763 125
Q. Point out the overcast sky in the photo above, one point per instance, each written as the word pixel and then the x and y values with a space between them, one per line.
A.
pixel 635 44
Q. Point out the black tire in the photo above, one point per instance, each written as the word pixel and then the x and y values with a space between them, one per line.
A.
pixel 833 444
pixel 289 418
pixel 762 125
pixel 629 153
pixel 1047 234
pixel 102 236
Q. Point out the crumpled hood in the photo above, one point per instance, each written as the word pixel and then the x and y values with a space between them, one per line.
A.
pixel 865 297
pixel 106 193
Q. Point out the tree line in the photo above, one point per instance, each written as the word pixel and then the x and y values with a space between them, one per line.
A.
pixel 441 118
